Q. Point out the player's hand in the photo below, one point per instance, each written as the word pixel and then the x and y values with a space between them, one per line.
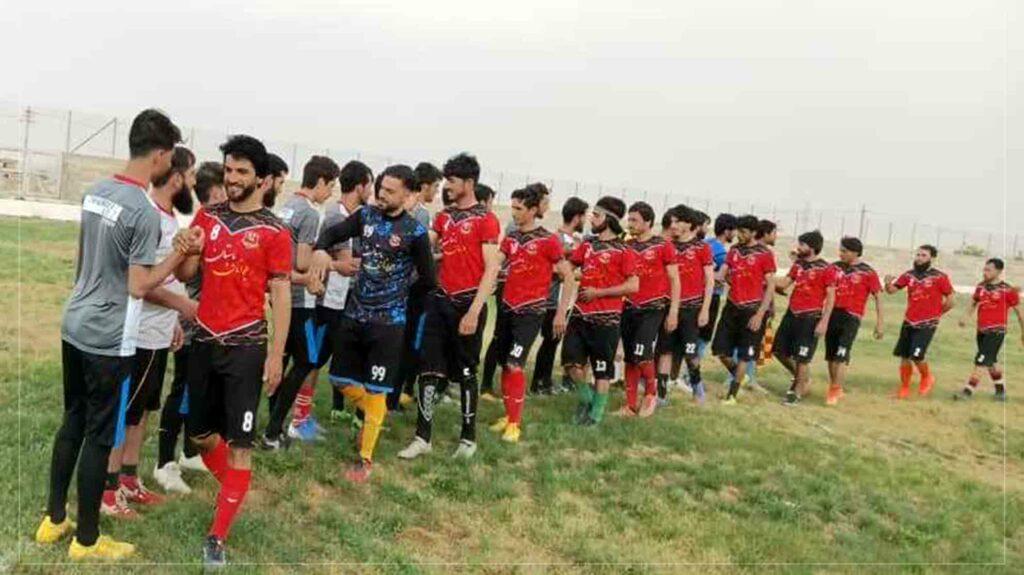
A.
pixel 558 326
pixel 889 278
pixel 178 339
pixel 671 322
pixel 468 323
pixel 348 267
pixel 703 318
pixel 820 328
pixel 319 264
pixel 879 332
pixel 588 294
pixel 189 310
pixel 755 322
pixel 272 369
pixel 315 286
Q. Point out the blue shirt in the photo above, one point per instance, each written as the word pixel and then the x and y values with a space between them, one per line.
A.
pixel 718 253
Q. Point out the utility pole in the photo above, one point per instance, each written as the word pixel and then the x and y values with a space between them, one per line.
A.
pixel 113 141
pixel 23 188
pixel 863 221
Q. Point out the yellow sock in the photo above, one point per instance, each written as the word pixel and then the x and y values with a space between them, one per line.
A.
pixel 356 394
pixel 375 408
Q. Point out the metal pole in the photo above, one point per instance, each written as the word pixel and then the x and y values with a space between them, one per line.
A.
pixel 295 153
pixel 1014 254
pixel 863 221
pixel 988 247
pixel 113 141
pixel 67 135
pixel 707 206
pixel 888 242
pixel 664 202
pixel 842 226
pixel 192 138
pixel 938 237
pixel 821 215
pixel 913 235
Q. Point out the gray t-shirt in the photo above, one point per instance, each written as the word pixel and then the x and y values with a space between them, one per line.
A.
pixel 422 215
pixel 337 286
pixel 303 221
pixel 119 228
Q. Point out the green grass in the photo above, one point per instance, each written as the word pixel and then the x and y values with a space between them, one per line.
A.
pixel 758 486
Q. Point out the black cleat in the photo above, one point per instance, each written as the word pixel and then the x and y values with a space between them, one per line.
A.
pixel 214 556
pixel 582 413
pixel 792 399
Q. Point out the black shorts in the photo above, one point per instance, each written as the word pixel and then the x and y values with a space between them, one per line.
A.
pixel 445 352
pixel 842 332
pixel 305 337
pixel 795 337
pixel 732 333
pixel 521 329
pixel 96 387
pixel 594 342
pixel 366 354
pixel 640 328
pixel 708 330
pixel 989 344
pixel 224 386
pixel 913 341
pixel 326 321
pixel 683 341
pixel 147 383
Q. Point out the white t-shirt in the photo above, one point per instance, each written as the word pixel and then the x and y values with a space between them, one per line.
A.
pixel 337 287
pixel 156 323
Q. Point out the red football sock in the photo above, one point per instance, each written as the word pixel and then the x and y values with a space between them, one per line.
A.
pixel 647 371
pixel 632 383
pixel 906 373
pixel 303 404
pixel 216 460
pixel 972 383
pixel 515 393
pixel 229 500
pixel 506 391
pixel 923 368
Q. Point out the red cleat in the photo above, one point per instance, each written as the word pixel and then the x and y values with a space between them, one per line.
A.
pixel 926 385
pixel 360 471
pixel 904 392
pixel 135 492
pixel 114 505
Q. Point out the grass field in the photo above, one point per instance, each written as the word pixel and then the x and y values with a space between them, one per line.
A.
pixel 896 486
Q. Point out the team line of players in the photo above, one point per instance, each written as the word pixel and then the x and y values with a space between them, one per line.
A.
pixel 388 296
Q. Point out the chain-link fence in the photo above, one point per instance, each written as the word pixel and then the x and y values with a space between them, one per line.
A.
pixel 60 152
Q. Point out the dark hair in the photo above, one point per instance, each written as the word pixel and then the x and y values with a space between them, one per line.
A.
pixel 377 182
pixel 354 173
pixel 724 223
pixel 483 193
pixel 934 251
pixel 748 222
pixel 667 217
pixel 531 195
pixel 573 207
pixel 317 168
pixel 852 244
pixel 765 228
pixel 208 175
pixel 181 160
pixel 996 263
pixel 645 210
pixel 248 148
pixel 617 208
pixel 277 165
pixel 403 173
pixel 813 240
pixel 463 166
pixel 427 173
pixel 690 216
pixel 704 218
pixel 152 130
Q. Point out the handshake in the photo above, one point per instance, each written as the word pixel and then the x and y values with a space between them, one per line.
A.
pixel 189 241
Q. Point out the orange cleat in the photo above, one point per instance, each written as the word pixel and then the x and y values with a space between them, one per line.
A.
pixel 904 392
pixel 835 393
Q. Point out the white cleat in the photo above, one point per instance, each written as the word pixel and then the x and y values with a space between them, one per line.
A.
pixel 169 477
pixel 417 448
pixel 194 463
pixel 465 450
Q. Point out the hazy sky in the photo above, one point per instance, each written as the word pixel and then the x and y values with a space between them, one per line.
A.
pixel 901 104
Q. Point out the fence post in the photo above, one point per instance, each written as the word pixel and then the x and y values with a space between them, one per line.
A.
pixel 113 141
pixel 863 221
pixel 888 242
pixel 23 188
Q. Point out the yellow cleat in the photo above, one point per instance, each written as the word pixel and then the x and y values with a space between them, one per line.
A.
pixel 500 425
pixel 104 548
pixel 405 400
pixel 511 434
pixel 731 400
pixel 50 532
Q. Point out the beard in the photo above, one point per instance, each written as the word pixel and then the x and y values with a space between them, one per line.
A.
pixel 243 195
pixel 269 198
pixel 922 267
pixel 182 200
pixel 597 230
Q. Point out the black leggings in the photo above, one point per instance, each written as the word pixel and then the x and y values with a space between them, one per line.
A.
pixel 172 421
pixel 545 363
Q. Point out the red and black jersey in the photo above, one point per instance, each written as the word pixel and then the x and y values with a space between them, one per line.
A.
pixel 925 291
pixel 529 256
pixel 811 280
pixel 604 264
pixel 652 258
pixel 693 258
pixel 747 267
pixel 463 234
pixel 241 253
pixel 994 303
pixel 854 283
